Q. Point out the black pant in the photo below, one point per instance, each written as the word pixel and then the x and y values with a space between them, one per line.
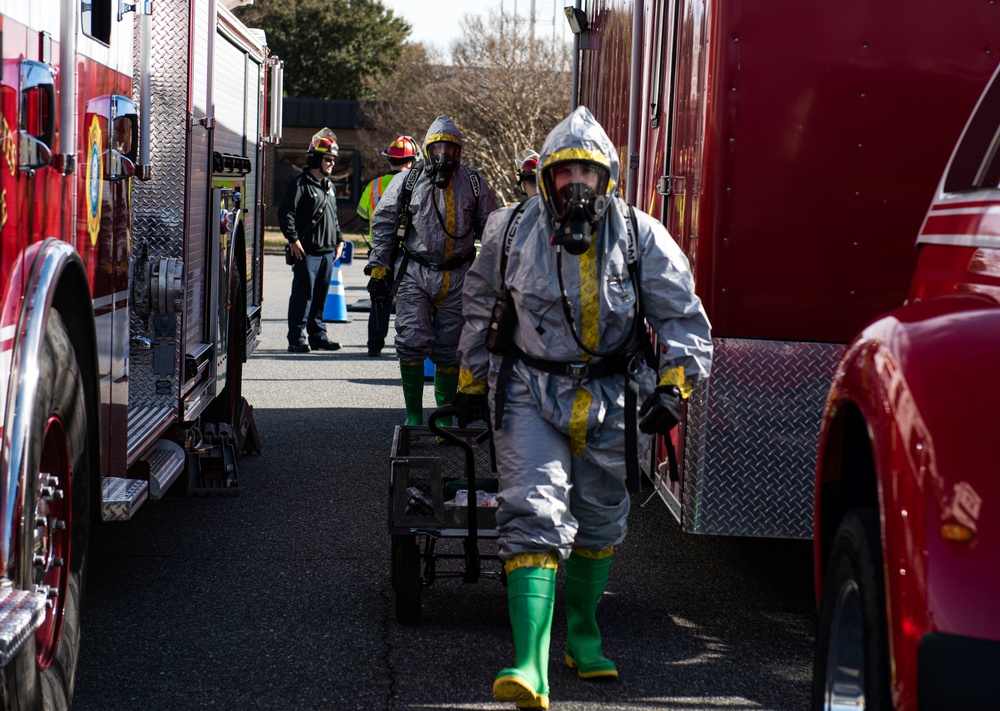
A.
pixel 310 284
pixel 378 322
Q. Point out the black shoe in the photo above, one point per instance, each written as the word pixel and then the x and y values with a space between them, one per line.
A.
pixel 372 353
pixel 325 346
pixel 298 348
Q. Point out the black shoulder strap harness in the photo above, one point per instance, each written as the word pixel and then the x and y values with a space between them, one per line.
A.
pixel 508 239
pixel 403 222
pixel 403 218
pixel 403 204
pixel 626 364
pixel 477 187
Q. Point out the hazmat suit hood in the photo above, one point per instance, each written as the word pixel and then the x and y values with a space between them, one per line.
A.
pixel 442 167
pixel 577 138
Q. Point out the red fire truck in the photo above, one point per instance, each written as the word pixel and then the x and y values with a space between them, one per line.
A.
pixel 791 148
pixel 907 551
pixel 133 138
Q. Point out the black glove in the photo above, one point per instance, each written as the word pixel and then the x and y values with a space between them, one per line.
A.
pixel 378 288
pixel 661 411
pixel 470 408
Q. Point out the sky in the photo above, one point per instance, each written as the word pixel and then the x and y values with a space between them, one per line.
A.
pixel 437 22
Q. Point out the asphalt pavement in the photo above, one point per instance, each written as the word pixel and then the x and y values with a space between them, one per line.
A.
pixel 279 598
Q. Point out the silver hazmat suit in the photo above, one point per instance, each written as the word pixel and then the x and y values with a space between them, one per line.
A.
pixel 560 451
pixel 429 301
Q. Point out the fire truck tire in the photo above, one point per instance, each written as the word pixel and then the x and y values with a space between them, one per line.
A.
pixel 852 658
pixel 405 578
pixel 42 673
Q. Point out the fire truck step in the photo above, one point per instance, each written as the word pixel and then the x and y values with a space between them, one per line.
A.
pixel 144 423
pixel 21 613
pixel 123 497
pixel 212 469
pixel 166 461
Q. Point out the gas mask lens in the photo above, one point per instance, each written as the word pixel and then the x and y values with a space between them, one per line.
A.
pixel 576 182
pixel 577 199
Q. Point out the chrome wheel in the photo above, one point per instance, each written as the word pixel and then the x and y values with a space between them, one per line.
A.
pixel 51 547
pixel 844 686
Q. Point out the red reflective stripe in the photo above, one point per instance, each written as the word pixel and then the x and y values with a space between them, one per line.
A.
pixel 965 205
pixel 976 223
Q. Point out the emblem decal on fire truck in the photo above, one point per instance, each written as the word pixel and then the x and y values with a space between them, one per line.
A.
pixel 95 180
pixel 9 149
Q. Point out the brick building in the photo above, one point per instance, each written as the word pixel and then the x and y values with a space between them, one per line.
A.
pixel 302 119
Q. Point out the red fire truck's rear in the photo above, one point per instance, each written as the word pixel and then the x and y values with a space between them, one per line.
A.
pixel 791 148
pixel 133 138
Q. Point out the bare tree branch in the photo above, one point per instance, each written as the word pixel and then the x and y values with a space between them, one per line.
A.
pixel 505 90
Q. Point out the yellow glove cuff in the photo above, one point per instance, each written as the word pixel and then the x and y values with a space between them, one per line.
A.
pixel 378 272
pixel 675 376
pixel 469 384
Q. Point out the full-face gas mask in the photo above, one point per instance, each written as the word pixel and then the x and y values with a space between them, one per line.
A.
pixel 442 162
pixel 575 195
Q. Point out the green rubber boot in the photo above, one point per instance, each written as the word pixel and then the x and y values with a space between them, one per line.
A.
pixel 413 391
pixel 445 387
pixel 530 595
pixel 586 578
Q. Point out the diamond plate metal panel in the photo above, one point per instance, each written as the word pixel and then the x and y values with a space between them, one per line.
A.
pixel 751 439
pixel 21 613
pixel 123 497
pixel 158 204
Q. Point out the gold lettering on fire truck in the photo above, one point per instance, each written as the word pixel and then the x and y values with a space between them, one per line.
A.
pixel 94 185
pixel 9 150
pixel 3 208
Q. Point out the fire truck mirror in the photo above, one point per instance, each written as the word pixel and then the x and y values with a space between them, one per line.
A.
pixel 118 166
pixel 125 136
pixel 37 121
pixel 33 153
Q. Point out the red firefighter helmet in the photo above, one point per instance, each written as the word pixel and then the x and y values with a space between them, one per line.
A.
pixel 403 148
pixel 528 171
pixel 526 163
pixel 324 143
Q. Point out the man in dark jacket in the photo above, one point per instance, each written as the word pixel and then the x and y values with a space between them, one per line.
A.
pixel 307 215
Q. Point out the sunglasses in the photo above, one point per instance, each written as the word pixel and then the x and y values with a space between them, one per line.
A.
pixel 331 161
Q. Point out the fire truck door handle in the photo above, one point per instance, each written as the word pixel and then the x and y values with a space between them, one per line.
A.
pixel 139 7
pixel 207 122
pixel 670 185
